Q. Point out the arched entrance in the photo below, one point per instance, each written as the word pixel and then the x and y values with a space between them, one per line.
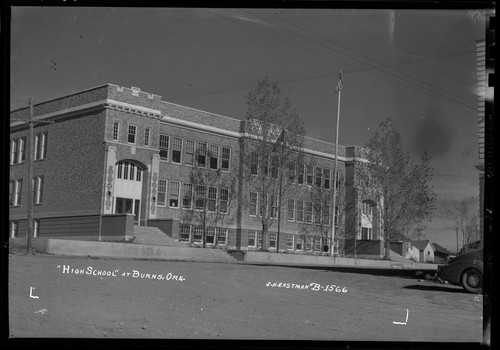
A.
pixel 128 188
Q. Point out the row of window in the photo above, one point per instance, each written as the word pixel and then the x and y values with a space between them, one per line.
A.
pixel 297 174
pixel 297 210
pixel 211 198
pixel 16 191
pixel 14 228
pixel 293 242
pixel 194 233
pixel 18 148
pixel 176 148
pixel 128 171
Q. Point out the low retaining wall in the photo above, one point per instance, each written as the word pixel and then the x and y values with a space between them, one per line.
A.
pixel 297 259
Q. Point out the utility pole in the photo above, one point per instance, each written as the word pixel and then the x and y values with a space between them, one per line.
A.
pixel 339 91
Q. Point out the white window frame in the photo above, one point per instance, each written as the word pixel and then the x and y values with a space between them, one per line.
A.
pixel 318 177
pixel 116 131
pixel 18 192
pixel 187 189
pixel 309 175
pixel 252 235
pixel 210 232
pixel 13 151
pixel 147 137
pixel 213 149
pixel 222 232
pixel 301 174
pixel 185 229
pixel 198 231
pixel 254 163
pixel 288 246
pixel 299 209
pixel 291 210
pixel 200 189
pixel 22 150
pixel 190 153
pixel 212 199
pixel 326 215
pixel 327 176
pixel 223 199
pixel 14 228
pixel 308 218
pixel 252 204
pixel 202 153
pixel 176 147
pixel 164 146
pixel 273 206
pixel 158 203
pixel 172 195
pixel 132 127
pixel 273 237
pixel 223 159
pixel 317 213
pixel 38 182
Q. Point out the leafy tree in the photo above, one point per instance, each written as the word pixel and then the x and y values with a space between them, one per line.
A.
pixel 398 185
pixel 273 144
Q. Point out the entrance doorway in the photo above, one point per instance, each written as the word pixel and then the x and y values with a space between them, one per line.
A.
pixel 128 205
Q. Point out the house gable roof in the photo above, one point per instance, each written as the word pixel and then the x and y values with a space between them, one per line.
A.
pixel 441 249
pixel 420 245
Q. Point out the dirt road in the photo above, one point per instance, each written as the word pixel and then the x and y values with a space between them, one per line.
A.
pixel 53 296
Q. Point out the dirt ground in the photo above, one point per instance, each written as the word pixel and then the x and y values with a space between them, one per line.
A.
pixel 52 296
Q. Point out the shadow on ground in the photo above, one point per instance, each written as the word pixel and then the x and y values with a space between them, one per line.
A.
pixel 448 289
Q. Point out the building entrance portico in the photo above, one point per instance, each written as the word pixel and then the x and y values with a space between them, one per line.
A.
pixel 128 188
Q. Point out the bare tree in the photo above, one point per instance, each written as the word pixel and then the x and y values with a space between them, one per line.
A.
pixel 209 199
pixel 273 144
pixel 398 185
pixel 466 219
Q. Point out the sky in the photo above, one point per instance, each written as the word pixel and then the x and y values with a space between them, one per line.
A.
pixel 414 66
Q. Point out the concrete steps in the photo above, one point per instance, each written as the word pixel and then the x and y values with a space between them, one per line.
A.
pixel 397 257
pixel 154 236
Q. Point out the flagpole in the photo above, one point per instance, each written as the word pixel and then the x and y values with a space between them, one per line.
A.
pixel 339 91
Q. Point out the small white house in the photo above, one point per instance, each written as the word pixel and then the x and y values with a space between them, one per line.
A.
pixel 421 251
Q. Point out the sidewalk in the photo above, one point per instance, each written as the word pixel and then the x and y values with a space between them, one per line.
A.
pixel 154 252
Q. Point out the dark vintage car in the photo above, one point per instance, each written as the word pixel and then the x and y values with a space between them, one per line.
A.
pixel 465 270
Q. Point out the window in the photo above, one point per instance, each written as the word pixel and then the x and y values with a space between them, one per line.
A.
pixel 222 236
pixel 187 196
pixel 317 213
pixel 185 235
pixel 14 228
pixel 300 211
pixel 132 130
pixel 200 197
pixel 13 151
pixel 202 155
pixel 37 189
pixel 265 165
pixel 252 237
pixel 138 174
pixel 309 175
pixel 189 152
pixel 298 243
pixel 339 179
pixel 119 170
pixel 162 192
pixel 40 146
pixel 12 187
pixel 326 215
pixel 198 234
pixel 274 166
pixel 22 149
pixel 210 235
pixel 291 172
pixel 274 206
pixel 212 198
pixel 226 158
pixel 132 171
pixel 319 176
pixel 309 209
pixel 116 130
pixel 326 176
pixel 300 174
pixel 176 150
pixel 164 144
pixel 367 209
pixel 147 133
pixel 291 210
pixel 126 166
pixel 308 243
pixel 366 232
pixel 289 242
pixel 260 239
pixel 264 199
pixel 214 157
pixel 316 243
pixel 254 163
pixel 272 240
pixel 174 194
pixel 17 192
pixel 253 203
pixel 36 227
pixel 337 219
pixel 223 199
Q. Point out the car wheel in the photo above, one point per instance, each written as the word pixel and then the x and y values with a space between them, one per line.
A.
pixel 472 281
